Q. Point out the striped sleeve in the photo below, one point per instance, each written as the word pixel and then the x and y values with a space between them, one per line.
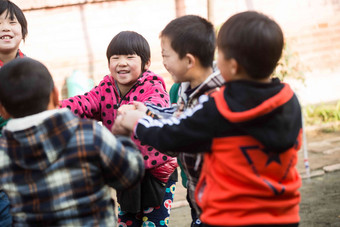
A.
pixel 191 132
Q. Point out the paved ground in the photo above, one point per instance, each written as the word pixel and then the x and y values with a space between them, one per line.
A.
pixel 320 194
pixel 320 201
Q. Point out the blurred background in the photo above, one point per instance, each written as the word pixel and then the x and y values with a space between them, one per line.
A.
pixel 71 36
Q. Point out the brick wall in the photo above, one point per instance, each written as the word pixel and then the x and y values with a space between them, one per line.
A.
pixel 75 37
pixel 70 35
pixel 311 27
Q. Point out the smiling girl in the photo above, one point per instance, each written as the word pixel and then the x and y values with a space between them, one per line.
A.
pixel 130 80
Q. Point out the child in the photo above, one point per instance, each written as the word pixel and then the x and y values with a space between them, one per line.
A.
pixel 251 127
pixel 188 47
pixel 130 80
pixel 13 29
pixel 56 168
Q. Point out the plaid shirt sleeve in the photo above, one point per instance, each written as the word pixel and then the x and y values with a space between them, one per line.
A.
pixel 122 163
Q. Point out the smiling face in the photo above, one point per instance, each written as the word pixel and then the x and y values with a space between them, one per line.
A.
pixel 125 69
pixel 174 65
pixel 10 34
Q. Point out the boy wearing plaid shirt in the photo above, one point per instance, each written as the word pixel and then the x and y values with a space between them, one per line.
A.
pixel 57 169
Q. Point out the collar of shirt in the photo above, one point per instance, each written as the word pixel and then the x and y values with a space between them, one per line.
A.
pixel 17 124
pixel 19 55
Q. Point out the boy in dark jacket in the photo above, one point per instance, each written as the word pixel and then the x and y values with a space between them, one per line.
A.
pixel 56 168
pixel 188 47
pixel 251 127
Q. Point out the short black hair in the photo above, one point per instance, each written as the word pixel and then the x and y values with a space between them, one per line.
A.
pixel 129 42
pixel 14 10
pixel 254 40
pixel 192 34
pixel 25 87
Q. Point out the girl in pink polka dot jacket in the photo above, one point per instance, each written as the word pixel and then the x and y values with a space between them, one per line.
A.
pixel 130 80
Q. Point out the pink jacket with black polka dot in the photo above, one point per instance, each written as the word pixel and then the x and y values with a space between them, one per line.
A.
pixel 102 102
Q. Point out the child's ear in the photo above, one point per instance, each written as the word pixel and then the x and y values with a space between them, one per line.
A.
pixel 147 65
pixel 191 60
pixel 3 112
pixel 54 99
pixel 234 67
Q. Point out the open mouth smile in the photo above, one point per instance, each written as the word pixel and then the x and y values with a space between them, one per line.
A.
pixel 6 37
pixel 123 71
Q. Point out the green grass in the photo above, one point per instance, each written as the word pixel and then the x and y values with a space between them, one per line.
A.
pixel 323 113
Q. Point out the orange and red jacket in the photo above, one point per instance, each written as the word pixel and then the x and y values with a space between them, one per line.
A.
pixel 253 132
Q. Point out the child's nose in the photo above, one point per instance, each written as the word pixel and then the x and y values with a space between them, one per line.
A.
pixel 122 61
pixel 4 27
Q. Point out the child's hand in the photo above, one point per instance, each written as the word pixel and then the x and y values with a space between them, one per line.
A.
pixel 124 108
pixel 130 119
pixel 118 129
pixel 140 106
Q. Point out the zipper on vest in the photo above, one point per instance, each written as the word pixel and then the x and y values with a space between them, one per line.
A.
pixel 119 102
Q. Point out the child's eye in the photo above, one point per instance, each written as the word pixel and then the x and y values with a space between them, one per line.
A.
pixel 114 57
pixel 13 21
pixel 131 56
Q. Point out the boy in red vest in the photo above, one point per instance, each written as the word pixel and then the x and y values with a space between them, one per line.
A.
pixel 251 127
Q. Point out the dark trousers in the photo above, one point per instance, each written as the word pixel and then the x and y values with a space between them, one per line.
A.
pixel 196 222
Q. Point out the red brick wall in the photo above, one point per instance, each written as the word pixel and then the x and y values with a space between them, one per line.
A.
pixel 75 36
pixel 319 44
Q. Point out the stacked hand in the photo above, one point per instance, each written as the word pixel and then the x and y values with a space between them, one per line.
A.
pixel 128 115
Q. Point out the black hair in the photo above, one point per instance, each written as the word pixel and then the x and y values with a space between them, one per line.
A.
pixel 14 10
pixel 254 40
pixel 25 87
pixel 129 42
pixel 192 34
